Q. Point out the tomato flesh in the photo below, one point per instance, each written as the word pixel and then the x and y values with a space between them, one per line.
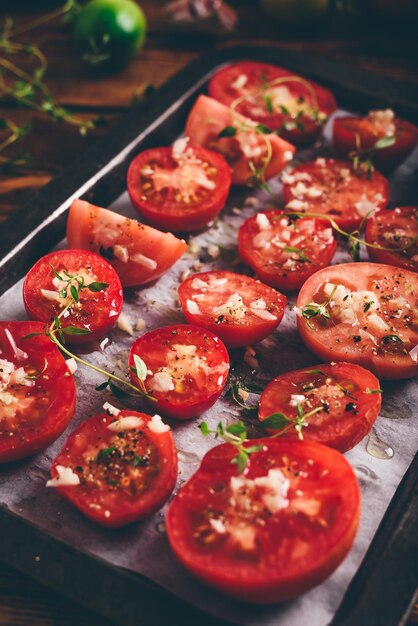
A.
pixel 125 472
pixel 238 309
pixel 272 533
pixel 397 230
pixel 285 252
pixel 187 369
pixel 370 317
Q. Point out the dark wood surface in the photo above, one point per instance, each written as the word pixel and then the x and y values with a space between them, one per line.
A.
pixel 386 49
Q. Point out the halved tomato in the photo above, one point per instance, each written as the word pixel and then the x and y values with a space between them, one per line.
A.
pixel 117 469
pixel 237 308
pixel 187 368
pixel 139 253
pixel 247 147
pixel 37 391
pixel 49 286
pixel 284 252
pixel 284 101
pixel 180 188
pixel 347 395
pixel 363 313
pixel 396 229
pixel 335 188
pixel 275 531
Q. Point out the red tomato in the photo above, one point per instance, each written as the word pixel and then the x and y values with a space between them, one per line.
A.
pixel 334 188
pixel 117 470
pixel 396 229
pixel 209 118
pixel 284 252
pixel 96 311
pixel 179 188
pixel 362 313
pixel 187 369
pixel 343 390
pixel 272 533
pixel 37 391
pixel 351 134
pixel 139 253
pixel 237 308
pixel 280 99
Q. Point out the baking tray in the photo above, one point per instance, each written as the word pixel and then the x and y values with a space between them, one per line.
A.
pixel 384 585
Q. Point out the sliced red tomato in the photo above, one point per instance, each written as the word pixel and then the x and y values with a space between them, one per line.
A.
pixel 247 147
pixel 237 308
pixel 49 286
pixel 139 253
pixel 117 469
pixel 334 188
pixel 363 313
pixel 180 188
pixel 347 395
pixel 187 369
pixel 283 101
pixel 37 391
pixel 361 134
pixel 284 252
pixel 396 229
pixel 275 531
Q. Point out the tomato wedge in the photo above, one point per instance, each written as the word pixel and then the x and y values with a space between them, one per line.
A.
pixel 284 252
pixel 396 229
pixel 334 188
pixel 361 134
pixel 238 309
pixel 245 145
pixel 139 253
pixel 48 290
pixel 347 395
pixel 37 391
pixel 180 188
pixel 117 469
pixel 187 369
pixel 275 531
pixel 282 100
pixel 363 313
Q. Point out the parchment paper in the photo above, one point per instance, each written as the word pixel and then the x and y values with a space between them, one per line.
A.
pixel 143 547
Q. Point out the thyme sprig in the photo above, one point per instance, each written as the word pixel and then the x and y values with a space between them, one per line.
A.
pixel 363 159
pixel 315 309
pixel 236 435
pixel 283 424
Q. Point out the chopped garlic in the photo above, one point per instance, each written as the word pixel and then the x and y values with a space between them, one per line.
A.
pixel 239 82
pixel 126 423
pixel 193 307
pixel 263 221
pixel 141 259
pixel 72 365
pixel 214 251
pixel 157 426
pixel 125 324
pixel 66 478
pixel 109 408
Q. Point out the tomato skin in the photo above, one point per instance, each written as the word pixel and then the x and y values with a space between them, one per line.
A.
pixel 337 428
pixel 390 221
pixel 268 266
pixel 54 383
pixel 189 401
pixel 122 508
pixel 333 341
pixel 100 230
pixel 168 213
pixel 270 576
pixel 240 333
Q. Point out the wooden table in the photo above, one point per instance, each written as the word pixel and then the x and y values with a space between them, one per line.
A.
pixel 389 51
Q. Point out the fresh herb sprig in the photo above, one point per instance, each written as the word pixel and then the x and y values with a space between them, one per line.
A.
pixel 283 424
pixel 236 435
pixel 363 159
pixel 317 309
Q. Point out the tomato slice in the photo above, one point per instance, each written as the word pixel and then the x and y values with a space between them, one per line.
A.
pixel 273 96
pixel 396 229
pixel 187 369
pixel 37 391
pixel 363 313
pixel 247 149
pixel 117 469
pixel 139 253
pixel 46 295
pixel 351 134
pixel 180 188
pixel 237 308
pixel 284 252
pixel 348 395
pixel 335 188
pixel 272 533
